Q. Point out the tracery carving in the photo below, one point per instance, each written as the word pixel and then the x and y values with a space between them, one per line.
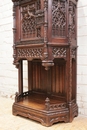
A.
pixel 28 21
pixel 38 4
pixel 72 23
pixel 58 18
pixel 59 52
pixel 57 106
pixel 32 17
pixel 39 32
pixel 30 52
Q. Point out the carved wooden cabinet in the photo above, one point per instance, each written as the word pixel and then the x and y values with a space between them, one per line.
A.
pixel 45 35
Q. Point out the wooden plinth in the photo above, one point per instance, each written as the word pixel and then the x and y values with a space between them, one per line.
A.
pixel 34 106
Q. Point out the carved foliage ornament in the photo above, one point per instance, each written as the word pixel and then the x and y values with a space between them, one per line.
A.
pixel 58 18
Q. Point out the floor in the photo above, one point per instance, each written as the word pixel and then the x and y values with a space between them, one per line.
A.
pixel 10 122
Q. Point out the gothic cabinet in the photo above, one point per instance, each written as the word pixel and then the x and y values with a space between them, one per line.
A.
pixel 45 36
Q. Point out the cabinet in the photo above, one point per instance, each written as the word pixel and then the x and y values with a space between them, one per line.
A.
pixel 45 35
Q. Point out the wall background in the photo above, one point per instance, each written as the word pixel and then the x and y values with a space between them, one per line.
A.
pixel 82 57
pixel 8 72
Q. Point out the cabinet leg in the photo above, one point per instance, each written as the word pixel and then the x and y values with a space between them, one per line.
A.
pixel 20 77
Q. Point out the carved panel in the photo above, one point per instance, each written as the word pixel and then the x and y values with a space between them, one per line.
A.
pixel 58 18
pixel 59 52
pixel 32 20
pixel 29 52
pixel 72 23
pixel 28 21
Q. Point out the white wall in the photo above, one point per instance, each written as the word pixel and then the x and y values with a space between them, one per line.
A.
pixel 82 57
pixel 8 72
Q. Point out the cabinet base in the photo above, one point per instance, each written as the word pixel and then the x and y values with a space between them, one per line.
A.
pixel 34 109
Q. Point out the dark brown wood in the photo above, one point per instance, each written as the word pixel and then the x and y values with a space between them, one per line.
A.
pixel 20 76
pixel 45 34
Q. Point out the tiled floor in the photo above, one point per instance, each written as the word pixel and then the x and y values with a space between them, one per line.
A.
pixel 10 122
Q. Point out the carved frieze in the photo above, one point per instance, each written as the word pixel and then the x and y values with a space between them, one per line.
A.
pixel 29 53
pixel 58 18
pixel 59 52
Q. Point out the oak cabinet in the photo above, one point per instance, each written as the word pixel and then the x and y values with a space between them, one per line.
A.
pixel 45 35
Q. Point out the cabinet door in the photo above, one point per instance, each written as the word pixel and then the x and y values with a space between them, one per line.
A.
pixel 57 21
pixel 30 21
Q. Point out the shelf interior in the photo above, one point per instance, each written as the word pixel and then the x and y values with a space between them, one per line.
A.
pixel 37 100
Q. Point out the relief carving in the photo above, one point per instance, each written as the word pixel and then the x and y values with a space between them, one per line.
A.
pixel 72 23
pixel 32 20
pixel 28 21
pixel 59 52
pixel 57 106
pixel 58 18
pixel 30 53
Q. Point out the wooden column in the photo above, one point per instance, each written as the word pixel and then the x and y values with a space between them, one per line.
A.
pixel 29 75
pixel 20 77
